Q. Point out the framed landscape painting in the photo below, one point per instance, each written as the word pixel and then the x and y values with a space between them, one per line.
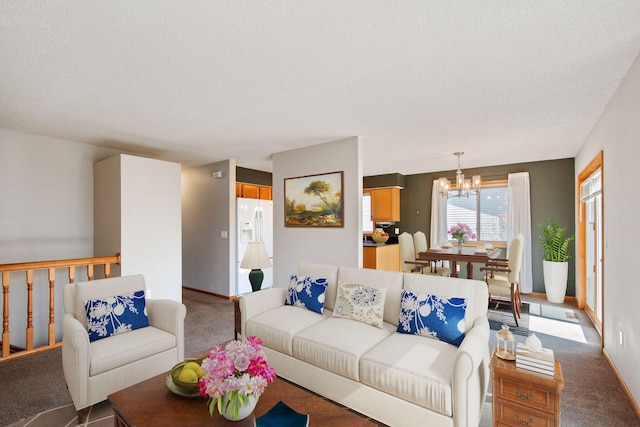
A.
pixel 314 200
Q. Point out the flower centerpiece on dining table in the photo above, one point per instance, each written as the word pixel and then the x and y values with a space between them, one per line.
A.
pixel 235 377
pixel 462 233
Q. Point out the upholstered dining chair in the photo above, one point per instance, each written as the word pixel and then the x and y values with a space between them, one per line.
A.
pixel 407 253
pixel 420 245
pixel 502 277
pixel 114 337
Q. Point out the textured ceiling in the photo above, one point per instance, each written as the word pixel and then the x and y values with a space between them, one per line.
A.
pixel 197 82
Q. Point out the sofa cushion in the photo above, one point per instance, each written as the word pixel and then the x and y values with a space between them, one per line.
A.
pixel 278 326
pixel 362 303
pixel 123 349
pixel 115 314
pixel 337 344
pixel 412 368
pixel 432 316
pixel 307 292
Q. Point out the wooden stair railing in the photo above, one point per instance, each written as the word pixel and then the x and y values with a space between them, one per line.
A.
pixel 11 352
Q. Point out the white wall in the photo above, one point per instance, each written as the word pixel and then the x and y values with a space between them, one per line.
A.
pixel 46 213
pixel 150 219
pixel 339 246
pixel 617 133
pixel 208 209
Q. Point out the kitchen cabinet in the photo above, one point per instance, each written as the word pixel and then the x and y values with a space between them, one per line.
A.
pixel 253 191
pixel 381 256
pixel 265 192
pixel 385 204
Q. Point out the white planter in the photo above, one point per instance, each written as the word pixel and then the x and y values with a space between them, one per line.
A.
pixel 555 280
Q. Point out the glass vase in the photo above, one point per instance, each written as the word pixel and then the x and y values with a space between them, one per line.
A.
pixel 460 243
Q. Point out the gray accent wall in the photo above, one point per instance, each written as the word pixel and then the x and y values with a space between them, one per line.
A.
pixel 552 196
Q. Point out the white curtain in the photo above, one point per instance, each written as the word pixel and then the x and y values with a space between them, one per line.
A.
pixel 439 233
pixel 519 221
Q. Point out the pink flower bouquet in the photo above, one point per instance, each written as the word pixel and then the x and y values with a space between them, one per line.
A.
pixel 462 233
pixel 236 372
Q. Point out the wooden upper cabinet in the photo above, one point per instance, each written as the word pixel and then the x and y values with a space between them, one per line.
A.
pixel 385 204
pixel 250 191
pixel 253 191
pixel 265 193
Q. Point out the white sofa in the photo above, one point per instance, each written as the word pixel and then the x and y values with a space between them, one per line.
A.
pixel 95 369
pixel 397 379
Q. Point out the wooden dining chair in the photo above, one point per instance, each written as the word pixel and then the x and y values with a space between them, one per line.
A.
pixel 420 245
pixel 502 277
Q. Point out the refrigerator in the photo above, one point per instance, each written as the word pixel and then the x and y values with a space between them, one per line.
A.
pixel 254 223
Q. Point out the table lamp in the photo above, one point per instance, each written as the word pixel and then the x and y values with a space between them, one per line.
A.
pixel 255 258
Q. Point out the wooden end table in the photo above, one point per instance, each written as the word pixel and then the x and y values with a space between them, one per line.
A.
pixel 522 397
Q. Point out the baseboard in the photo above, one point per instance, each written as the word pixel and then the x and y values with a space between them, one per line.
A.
pixel 230 298
pixel 625 389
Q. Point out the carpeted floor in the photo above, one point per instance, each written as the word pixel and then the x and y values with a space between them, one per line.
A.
pixel 592 396
pixel 502 315
pixel 34 384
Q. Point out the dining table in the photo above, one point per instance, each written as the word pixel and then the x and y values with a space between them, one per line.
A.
pixel 455 254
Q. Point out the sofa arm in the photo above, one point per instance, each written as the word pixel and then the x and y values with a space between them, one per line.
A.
pixel 168 315
pixel 471 375
pixel 258 302
pixel 75 359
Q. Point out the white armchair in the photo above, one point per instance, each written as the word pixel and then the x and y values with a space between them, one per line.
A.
pixel 94 369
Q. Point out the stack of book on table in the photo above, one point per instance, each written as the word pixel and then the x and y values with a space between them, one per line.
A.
pixel 542 361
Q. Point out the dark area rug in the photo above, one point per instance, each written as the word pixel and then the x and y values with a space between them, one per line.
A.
pixel 502 315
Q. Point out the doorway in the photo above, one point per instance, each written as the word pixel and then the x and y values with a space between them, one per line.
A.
pixel 590 241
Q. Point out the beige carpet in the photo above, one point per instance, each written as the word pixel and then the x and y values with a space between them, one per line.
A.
pixel 595 399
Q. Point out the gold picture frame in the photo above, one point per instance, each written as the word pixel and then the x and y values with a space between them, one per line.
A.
pixel 314 200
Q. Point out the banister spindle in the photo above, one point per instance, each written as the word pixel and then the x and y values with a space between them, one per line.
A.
pixel 6 342
pixel 29 309
pixel 52 312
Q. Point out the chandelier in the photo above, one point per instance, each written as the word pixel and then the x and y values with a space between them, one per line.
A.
pixel 464 186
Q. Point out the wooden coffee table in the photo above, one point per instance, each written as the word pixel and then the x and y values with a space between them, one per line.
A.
pixel 150 403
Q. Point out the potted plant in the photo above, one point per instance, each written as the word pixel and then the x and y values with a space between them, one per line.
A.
pixel 555 264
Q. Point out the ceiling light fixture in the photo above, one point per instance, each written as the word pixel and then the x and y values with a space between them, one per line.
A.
pixel 464 186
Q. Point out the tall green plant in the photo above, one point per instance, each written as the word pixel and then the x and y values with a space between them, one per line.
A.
pixel 554 242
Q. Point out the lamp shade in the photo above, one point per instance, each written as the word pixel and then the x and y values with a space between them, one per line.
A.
pixel 256 256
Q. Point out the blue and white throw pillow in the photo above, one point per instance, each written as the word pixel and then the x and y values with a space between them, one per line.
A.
pixel 432 316
pixel 307 292
pixel 115 315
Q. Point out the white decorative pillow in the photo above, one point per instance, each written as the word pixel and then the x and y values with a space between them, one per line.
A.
pixel 359 302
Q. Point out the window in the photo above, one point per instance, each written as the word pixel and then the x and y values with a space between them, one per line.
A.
pixel 486 213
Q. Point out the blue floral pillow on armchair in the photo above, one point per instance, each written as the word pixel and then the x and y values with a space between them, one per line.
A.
pixel 307 292
pixel 115 315
pixel 432 316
